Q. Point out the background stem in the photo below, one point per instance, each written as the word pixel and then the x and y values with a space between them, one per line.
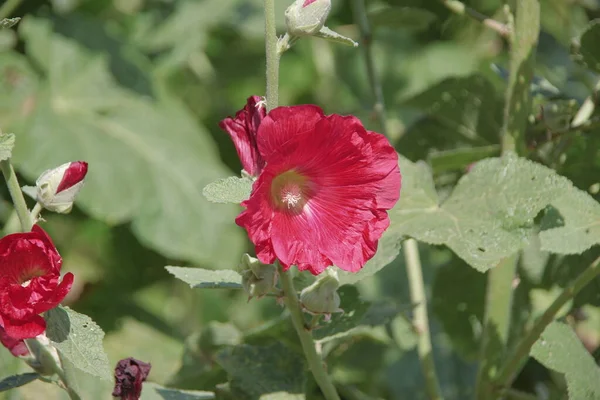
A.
pixel 521 352
pixel 360 16
pixel 17 195
pixel 315 363
pixel 8 7
pixel 420 320
pixel 272 94
pixel 459 8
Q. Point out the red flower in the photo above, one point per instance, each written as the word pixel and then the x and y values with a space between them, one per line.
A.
pixel 242 129
pixel 29 282
pixel 129 375
pixel 16 346
pixel 322 197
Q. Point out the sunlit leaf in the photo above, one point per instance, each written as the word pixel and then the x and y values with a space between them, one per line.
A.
pixel 228 190
pixel 560 349
pixel 7 142
pixel 207 279
pixel 488 216
pixel 580 230
pixel 79 339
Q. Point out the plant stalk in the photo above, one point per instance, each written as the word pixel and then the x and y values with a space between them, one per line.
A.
pixel 8 7
pixel 460 8
pixel 420 320
pixel 315 363
pixel 17 195
pixel 521 352
pixel 360 16
pixel 273 56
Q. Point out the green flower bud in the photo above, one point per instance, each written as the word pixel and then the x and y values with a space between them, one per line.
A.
pixel 258 279
pixel 307 17
pixel 321 297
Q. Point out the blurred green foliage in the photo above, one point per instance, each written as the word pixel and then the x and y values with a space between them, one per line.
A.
pixel 137 88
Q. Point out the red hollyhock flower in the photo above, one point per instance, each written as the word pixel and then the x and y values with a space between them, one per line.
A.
pixel 15 346
pixel 29 282
pixel 242 129
pixel 129 375
pixel 322 197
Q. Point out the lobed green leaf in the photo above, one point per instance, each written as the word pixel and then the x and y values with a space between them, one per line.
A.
pixel 560 349
pixel 228 190
pixel 79 339
pixel 589 46
pixel 7 142
pixel 16 381
pixel 207 279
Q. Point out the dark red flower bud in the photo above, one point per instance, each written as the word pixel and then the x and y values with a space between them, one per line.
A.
pixel 242 129
pixel 129 375
pixel 30 282
pixel 16 346
pixel 58 187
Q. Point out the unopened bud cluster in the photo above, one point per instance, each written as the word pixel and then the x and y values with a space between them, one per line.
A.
pixel 322 297
pixel 258 279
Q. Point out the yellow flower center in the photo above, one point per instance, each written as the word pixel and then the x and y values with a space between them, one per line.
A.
pixel 290 190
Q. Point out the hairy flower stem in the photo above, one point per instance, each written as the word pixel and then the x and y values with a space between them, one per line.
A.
pixel 272 56
pixel 315 362
pixel 521 352
pixel 420 320
pixel 360 16
pixel 17 195
pixel 459 8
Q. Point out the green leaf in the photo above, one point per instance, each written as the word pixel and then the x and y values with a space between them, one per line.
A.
pixel 459 159
pixel 149 160
pixel 7 142
pixel 228 190
pixel 9 22
pixel 328 34
pixel 581 224
pixel 409 18
pixel 560 349
pixel 265 372
pixel 589 46
pixel 16 381
pixel 152 391
pixel 87 386
pixel 207 279
pixel 488 216
pixel 79 339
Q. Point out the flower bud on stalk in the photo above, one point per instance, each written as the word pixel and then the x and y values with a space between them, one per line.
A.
pixel 258 279
pixel 58 187
pixel 307 17
pixel 321 297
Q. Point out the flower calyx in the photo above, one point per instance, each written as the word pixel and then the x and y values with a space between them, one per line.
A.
pixel 258 279
pixel 321 298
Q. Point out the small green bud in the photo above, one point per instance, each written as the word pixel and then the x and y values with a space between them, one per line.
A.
pixel 258 279
pixel 321 297
pixel 307 17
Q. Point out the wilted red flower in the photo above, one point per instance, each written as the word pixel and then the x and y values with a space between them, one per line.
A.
pixel 129 375
pixel 322 197
pixel 242 129
pixel 16 346
pixel 29 282
pixel 57 188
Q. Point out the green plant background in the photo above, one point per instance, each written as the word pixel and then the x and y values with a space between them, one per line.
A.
pixel 137 88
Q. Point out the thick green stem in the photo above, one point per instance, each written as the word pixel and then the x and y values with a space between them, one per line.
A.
pixel 420 320
pixel 17 195
pixel 8 7
pixel 360 16
pixel 521 352
pixel 459 8
pixel 496 323
pixel 272 56
pixel 315 363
